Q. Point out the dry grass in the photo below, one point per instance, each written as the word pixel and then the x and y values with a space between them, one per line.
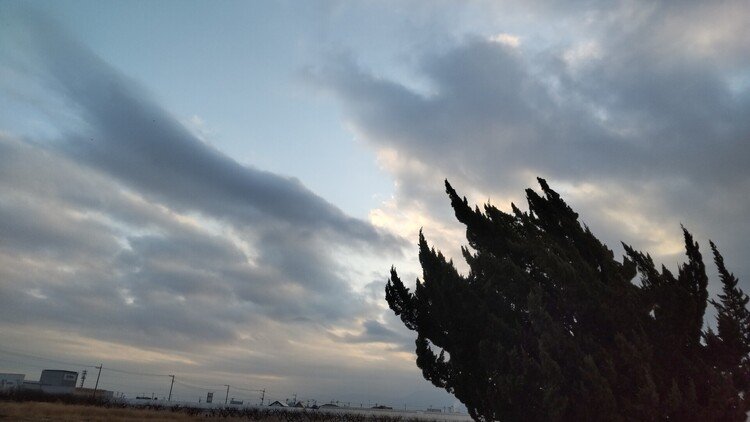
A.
pixel 36 411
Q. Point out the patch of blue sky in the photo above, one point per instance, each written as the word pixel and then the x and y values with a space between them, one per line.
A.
pixel 234 71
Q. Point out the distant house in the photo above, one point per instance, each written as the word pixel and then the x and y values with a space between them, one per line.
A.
pixel 298 404
pixel 382 407
pixel 328 406
pixel 11 381
pixel 53 381
pixel 278 404
pixel 233 401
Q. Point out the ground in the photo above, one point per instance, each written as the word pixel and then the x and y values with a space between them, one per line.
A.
pixel 36 411
pixel 41 410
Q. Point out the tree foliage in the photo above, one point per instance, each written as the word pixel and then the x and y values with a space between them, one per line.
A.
pixel 548 325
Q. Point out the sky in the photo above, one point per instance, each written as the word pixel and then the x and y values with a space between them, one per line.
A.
pixel 217 190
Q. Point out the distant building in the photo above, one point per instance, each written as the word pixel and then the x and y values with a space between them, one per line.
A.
pixel 328 406
pixel 382 407
pixel 10 382
pixel 55 381
pixel 233 401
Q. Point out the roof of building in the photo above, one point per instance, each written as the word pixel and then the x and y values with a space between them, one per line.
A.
pixel 278 403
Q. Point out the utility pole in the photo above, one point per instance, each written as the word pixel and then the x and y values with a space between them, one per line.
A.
pixel 226 399
pixel 83 377
pixel 170 388
pixel 93 395
pixel 262 396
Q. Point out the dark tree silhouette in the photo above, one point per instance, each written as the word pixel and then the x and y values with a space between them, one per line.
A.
pixel 547 325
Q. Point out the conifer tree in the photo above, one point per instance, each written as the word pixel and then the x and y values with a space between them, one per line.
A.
pixel 548 325
pixel 729 348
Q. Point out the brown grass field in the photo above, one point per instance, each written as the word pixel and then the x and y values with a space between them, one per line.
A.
pixel 29 410
pixel 33 406
pixel 37 411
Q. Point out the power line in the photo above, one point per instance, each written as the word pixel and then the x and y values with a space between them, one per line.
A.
pixel 107 370
pixel 24 364
pixel 187 384
pixel 77 364
pixel 28 355
pixel 247 389
pixel 145 374
pixel 120 386
pixel 26 359
pixel 215 387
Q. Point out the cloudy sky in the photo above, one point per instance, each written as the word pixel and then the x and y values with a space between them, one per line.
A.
pixel 218 190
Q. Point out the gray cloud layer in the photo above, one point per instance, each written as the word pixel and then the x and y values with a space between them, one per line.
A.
pixel 128 228
pixel 648 102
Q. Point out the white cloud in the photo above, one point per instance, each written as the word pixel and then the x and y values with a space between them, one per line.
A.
pixel 581 53
pixel 506 39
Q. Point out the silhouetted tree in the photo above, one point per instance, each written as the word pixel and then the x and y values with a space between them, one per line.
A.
pixel 547 325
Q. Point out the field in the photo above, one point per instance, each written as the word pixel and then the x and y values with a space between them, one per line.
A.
pixel 38 411
pixel 37 406
pixel 29 410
